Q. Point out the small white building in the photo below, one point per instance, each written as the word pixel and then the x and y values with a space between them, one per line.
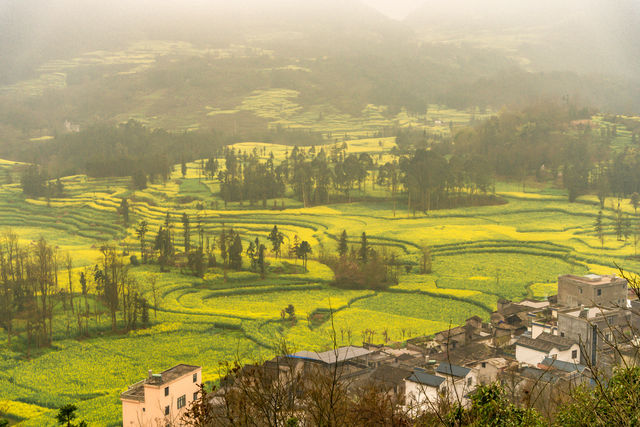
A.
pixel 460 380
pixel 533 351
pixel 161 399
pixel 487 370
pixel 424 390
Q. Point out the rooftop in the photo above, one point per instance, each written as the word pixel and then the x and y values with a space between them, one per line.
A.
pixel 562 366
pixel 539 375
pixel 341 354
pixel 589 312
pixel 453 370
pixel 595 279
pixel 545 342
pixel 421 377
pixel 136 391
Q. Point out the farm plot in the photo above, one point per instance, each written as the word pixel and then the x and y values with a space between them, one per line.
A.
pixel 478 254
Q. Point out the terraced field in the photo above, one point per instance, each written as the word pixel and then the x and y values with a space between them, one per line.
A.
pixel 479 254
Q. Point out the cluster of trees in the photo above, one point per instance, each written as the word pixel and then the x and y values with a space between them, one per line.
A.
pixel 200 255
pixel 311 175
pixel 362 266
pixel 246 178
pixel 119 290
pixel 129 149
pixel 430 180
pixel 31 294
pixel 34 183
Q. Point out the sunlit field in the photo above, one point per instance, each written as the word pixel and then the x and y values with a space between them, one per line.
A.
pixel 514 250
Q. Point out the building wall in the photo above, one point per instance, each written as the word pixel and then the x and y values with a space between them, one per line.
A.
pixel 152 411
pixel 538 328
pixel 421 395
pixel 486 375
pixel 581 329
pixel 529 356
pixel 132 413
pixel 573 292
pixel 458 388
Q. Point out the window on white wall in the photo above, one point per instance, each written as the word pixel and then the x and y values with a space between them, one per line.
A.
pixel 182 401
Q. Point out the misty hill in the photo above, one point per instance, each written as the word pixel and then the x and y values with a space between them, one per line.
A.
pixel 570 35
pixel 38 30
pixel 247 67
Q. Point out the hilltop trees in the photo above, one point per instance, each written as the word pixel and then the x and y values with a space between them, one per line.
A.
pixel 123 210
pixel 186 229
pixel 303 252
pixel 28 288
pixel 343 247
pixel 276 238
pixel 235 252
pixel 141 232
pixel 164 243
pixel 363 268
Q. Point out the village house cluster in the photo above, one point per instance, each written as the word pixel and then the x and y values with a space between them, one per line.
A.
pixel 523 345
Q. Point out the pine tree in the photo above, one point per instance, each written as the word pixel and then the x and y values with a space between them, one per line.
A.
pixel 303 252
pixel 187 232
pixel 364 248
pixel 124 211
pixel 141 231
pixel 235 253
pixel 276 238
pixel 598 228
pixel 343 246
pixel 261 263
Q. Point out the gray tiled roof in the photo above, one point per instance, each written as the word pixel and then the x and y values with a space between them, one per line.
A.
pixel 563 366
pixel 341 354
pixel 426 379
pixel 546 342
pixel 453 370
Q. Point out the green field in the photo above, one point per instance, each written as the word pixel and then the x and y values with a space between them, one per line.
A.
pixel 514 250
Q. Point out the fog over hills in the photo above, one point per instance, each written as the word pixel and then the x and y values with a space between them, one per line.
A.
pixel 457 52
pixel 577 35
pixel 36 30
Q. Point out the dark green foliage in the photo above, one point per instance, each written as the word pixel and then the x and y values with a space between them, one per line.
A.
pixel 363 252
pixel 343 247
pixel 144 312
pixel 246 178
pixel 235 253
pixel 197 262
pixel 33 182
pixel 164 244
pixel 490 407
pixel 303 252
pixel 276 238
pixel 613 403
pixel 186 228
pixel 139 180
pixel 141 231
pixel 66 414
pixel 124 211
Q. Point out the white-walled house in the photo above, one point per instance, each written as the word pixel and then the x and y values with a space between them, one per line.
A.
pixel 160 399
pixel 460 380
pixel 533 351
pixel 487 370
pixel 423 390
